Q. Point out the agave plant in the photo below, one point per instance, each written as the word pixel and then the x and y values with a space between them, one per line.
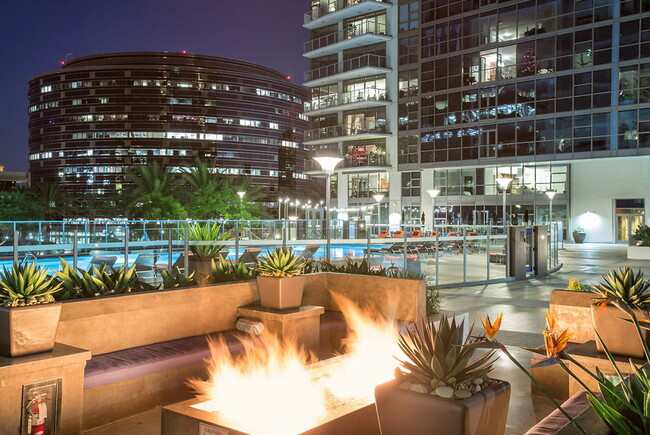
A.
pixel 78 283
pixel 25 284
pixel 281 263
pixel 357 268
pixel 436 356
pixel 208 232
pixel 642 234
pixel 623 285
pixel 224 271
pixel 175 279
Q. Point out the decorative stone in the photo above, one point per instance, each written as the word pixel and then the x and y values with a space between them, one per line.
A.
pixel 463 394
pixel 405 385
pixel 433 393
pixel 478 381
pixel 446 392
pixel 451 381
pixel 477 388
pixel 419 388
pixel 441 384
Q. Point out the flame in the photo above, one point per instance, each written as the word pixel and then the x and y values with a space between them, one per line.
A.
pixel 269 389
pixel 266 390
pixel 371 353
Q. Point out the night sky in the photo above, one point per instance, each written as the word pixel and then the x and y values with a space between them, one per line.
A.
pixel 37 34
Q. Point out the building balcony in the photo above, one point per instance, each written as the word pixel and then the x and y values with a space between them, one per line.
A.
pixel 333 11
pixel 360 99
pixel 365 33
pixel 347 132
pixel 357 67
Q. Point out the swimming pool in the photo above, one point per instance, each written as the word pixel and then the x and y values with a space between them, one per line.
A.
pixel 336 251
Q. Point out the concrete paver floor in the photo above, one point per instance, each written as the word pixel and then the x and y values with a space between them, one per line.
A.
pixel 523 304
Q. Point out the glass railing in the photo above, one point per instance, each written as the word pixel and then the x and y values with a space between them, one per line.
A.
pixel 448 254
pixel 346 130
pixel 352 31
pixel 366 94
pixel 348 65
pixel 327 7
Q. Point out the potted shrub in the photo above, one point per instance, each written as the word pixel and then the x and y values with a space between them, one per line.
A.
pixel 439 388
pixel 208 249
pixel 579 235
pixel 29 316
pixel 279 282
pixel 620 286
pixel 641 248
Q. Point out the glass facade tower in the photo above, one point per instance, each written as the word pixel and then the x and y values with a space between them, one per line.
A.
pixel 101 115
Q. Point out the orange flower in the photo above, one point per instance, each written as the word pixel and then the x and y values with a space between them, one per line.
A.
pixel 550 321
pixel 491 329
pixel 554 343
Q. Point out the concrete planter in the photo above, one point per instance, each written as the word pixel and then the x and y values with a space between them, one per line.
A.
pixel 201 266
pixel 280 293
pixel 28 330
pixel 572 311
pixel 579 237
pixel 620 337
pixel 638 252
pixel 407 412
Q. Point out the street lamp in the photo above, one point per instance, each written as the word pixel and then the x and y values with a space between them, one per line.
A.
pixel 433 193
pixel 551 194
pixel 503 183
pixel 279 208
pixel 328 164
pixel 378 197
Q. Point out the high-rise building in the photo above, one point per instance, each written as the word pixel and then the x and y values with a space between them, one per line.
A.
pixel 100 115
pixel 452 95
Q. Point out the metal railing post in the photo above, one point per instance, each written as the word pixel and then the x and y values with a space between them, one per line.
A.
pixel 437 257
pixel 405 248
pixel 236 240
pixel 507 249
pixel 186 252
pixel 126 246
pixel 327 241
pixel 368 246
pixel 75 250
pixel 170 236
pixel 464 256
pixel 15 246
pixel 284 234
pixel 487 250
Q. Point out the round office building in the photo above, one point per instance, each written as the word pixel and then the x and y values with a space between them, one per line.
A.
pixel 102 114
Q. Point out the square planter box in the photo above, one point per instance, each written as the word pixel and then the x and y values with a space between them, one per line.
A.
pixel 638 252
pixel 280 293
pixel 403 412
pixel 620 337
pixel 572 311
pixel 28 330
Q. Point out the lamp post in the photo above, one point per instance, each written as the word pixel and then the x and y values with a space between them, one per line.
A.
pixel 280 208
pixel 328 164
pixel 551 194
pixel 433 193
pixel 503 183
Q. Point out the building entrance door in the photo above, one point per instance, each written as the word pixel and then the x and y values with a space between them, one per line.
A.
pixel 630 213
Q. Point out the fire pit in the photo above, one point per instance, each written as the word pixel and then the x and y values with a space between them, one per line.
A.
pixel 355 416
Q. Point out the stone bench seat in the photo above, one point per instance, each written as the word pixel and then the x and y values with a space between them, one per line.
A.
pixel 145 360
pixel 579 408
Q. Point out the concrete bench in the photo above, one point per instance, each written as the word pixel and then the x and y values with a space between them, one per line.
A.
pixel 578 407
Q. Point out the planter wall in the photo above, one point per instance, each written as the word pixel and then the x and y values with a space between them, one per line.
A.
pixel 407 412
pixel 572 311
pixel 112 323
pixel 121 322
pixel 638 252
pixel 402 298
pixel 28 330
pixel 620 337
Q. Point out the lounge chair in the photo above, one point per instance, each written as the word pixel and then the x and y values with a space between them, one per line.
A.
pixel 308 252
pixel 145 265
pixel 249 257
pixel 99 260
pixel 398 235
pixel 178 265
pixel 416 233
pixel 383 234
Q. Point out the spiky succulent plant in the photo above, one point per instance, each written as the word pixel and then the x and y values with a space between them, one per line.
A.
pixel 435 355
pixel 625 286
pixel 78 283
pixel 175 279
pixel 26 284
pixel 207 238
pixel 225 271
pixel 281 263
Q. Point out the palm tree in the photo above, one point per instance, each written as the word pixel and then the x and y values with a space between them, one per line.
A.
pixel 152 178
pixel 51 199
pixel 199 176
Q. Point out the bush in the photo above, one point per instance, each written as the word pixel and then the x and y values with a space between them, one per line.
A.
pixel 433 300
pixel 576 285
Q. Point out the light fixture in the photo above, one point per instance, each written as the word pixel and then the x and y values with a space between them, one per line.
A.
pixel 241 194
pixel 378 197
pixel 433 193
pixel 328 164
pixel 504 182
pixel 551 194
